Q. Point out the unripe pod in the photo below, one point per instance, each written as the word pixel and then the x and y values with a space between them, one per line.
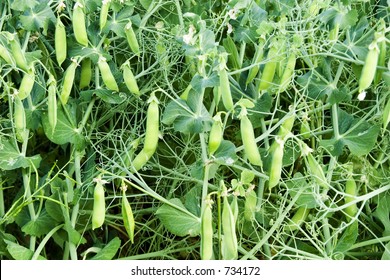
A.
pixel 68 81
pixel 255 62
pixel 79 27
pixel 229 239
pixel 224 88
pixel 127 215
pixel 216 134
pixel 20 119
pixel 86 73
pixel 269 69
pixel 276 163
pixel 351 193
pixel 250 205
pixel 206 233
pixel 60 41
pixel 27 83
pixel 17 53
pixel 99 204
pixel 4 54
pixel 248 139
pixel 131 38
pixel 106 73
pixel 298 218
pixel 130 80
pixel 104 13
pixel 288 72
pixel 369 68
pixel 52 103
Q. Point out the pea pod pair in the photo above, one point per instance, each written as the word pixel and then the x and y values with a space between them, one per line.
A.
pixel 229 243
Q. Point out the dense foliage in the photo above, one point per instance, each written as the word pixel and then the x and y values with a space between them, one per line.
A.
pixel 189 129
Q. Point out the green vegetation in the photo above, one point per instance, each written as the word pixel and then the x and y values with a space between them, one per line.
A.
pixel 188 129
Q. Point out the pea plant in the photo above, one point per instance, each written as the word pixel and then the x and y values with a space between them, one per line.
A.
pixel 153 129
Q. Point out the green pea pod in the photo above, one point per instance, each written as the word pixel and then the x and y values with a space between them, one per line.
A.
pixel 106 73
pixel 104 13
pixel 216 134
pixel 130 80
pixel 79 24
pixel 248 139
pixel 52 103
pixel 298 218
pixel 152 125
pixel 288 73
pixel 250 205
pixel 68 81
pixel 224 88
pixel 131 38
pixel 20 119
pixel 151 134
pixel 128 217
pixel 17 53
pixel 27 83
pixel 99 204
pixel 267 76
pixel 86 73
pixel 386 114
pixel 316 171
pixel 381 61
pixel 305 129
pixel 234 207
pixel 334 33
pixel 276 164
pixel 206 233
pixel 4 54
pixel 351 193
pixel 229 239
pixel 369 68
pixel 60 41
pixel 259 54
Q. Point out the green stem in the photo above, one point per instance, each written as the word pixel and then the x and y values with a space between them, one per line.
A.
pixel 327 236
pixel 206 170
pixel 44 241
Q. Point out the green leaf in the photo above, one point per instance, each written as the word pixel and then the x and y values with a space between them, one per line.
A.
pixel 178 222
pixel 19 252
pixel 198 82
pixel 316 87
pixel 11 158
pixel 339 95
pixel 74 236
pixel 184 116
pixel 386 253
pixel 231 49
pixel 192 200
pixel 226 153
pixel 307 198
pixel 23 5
pixel 110 97
pixel 40 226
pixel 359 136
pixel 38 17
pixel 382 212
pixel 247 176
pixel 65 131
pixel 109 251
pixel 348 238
